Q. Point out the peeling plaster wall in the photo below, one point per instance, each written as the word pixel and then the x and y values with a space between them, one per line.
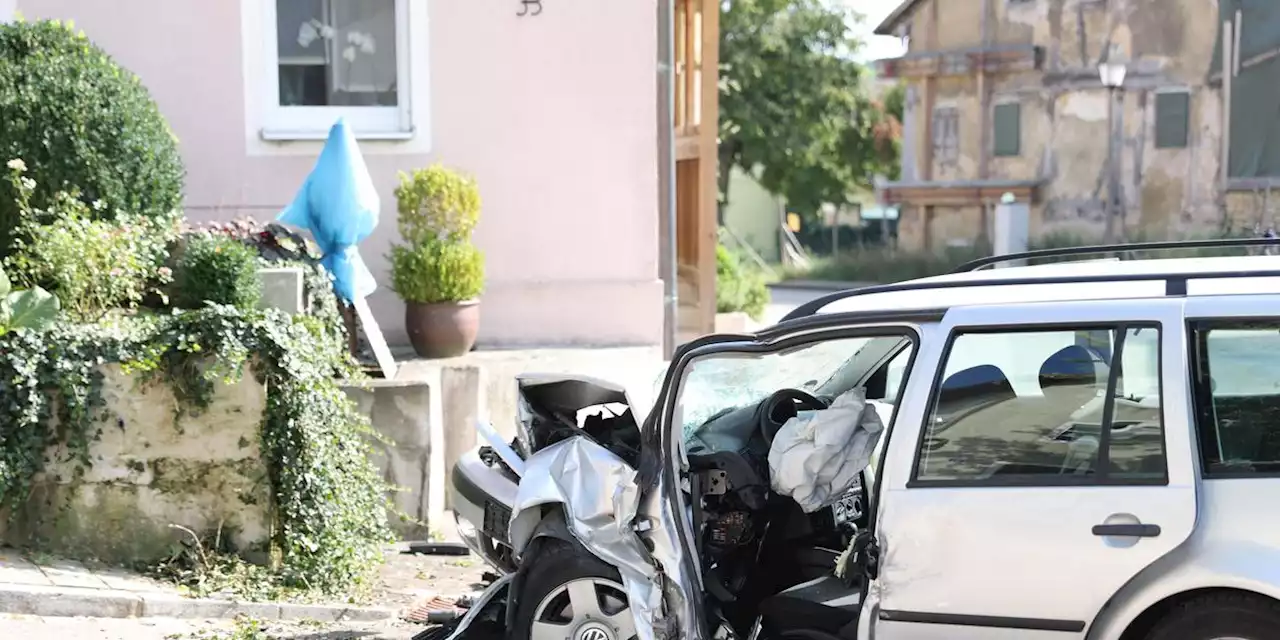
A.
pixel 148 471
pixel 1168 45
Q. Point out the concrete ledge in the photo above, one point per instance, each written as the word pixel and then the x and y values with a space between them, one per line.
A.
pixel 407 414
pixel 427 414
pixel 55 602
pixel 282 288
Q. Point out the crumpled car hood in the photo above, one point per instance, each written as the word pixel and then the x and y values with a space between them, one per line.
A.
pixel 601 498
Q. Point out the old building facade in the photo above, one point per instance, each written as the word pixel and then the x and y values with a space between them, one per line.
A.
pixel 1005 96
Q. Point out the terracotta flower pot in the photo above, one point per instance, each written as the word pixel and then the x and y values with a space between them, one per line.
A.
pixel 442 329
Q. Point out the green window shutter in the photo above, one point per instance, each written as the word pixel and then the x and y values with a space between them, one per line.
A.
pixel 1007 119
pixel 1173 115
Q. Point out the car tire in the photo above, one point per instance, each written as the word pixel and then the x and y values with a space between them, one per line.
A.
pixel 1221 615
pixel 550 605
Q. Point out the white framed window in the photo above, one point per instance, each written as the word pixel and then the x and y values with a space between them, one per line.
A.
pixel 325 59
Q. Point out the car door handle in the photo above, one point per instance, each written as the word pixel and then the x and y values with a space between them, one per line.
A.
pixel 1127 530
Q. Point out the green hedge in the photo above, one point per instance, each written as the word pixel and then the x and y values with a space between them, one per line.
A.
pixel 219 270
pixel 739 287
pixel 79 121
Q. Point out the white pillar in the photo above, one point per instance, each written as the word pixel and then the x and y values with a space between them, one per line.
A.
pixel 1011 228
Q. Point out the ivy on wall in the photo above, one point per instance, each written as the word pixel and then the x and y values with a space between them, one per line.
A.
pixel 328 500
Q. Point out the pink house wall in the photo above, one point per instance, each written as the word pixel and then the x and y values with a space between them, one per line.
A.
pixel 553 114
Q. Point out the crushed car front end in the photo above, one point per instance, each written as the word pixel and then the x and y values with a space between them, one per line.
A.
pixel 564 492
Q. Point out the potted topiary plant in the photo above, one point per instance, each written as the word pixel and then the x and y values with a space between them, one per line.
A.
pixel 437 271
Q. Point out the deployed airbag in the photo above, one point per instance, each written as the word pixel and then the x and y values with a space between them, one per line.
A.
pixel 816 456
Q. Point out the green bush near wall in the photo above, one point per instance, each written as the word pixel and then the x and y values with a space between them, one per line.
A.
pixel 218 270
pixel 79 121
pixel 739 287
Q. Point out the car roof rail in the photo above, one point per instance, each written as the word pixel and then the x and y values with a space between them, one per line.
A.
pixel 1175 285
pixel 1087 250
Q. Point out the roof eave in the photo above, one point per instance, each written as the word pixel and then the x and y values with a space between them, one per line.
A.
pixel 895 18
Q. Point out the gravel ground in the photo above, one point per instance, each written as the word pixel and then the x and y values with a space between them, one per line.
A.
pixel 407 578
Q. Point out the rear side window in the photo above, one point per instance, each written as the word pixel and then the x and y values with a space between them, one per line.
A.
pixel 1236 380
pixel 1028 408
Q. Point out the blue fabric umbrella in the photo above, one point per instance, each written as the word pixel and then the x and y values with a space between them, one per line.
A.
pixel 339 205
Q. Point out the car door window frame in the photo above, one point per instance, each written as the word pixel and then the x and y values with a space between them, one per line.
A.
pixel 1103 477
pixel 1207 428
pixel 661 428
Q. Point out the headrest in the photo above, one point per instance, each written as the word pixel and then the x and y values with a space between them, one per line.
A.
pixel 984 381
pixel 1072 366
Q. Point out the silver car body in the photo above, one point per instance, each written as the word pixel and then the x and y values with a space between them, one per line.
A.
pixel 1024 562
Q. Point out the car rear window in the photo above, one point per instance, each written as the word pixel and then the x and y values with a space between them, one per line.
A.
pixel 1236 383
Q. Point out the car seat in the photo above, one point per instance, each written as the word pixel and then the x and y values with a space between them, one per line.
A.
pixel 826 605
pixel 971 389
pixel 1070 379
pixel 1073 375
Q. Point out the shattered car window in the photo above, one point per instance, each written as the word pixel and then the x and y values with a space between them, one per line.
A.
pixel 716 383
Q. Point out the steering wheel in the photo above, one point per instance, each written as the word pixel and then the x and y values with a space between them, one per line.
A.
pixel 782 406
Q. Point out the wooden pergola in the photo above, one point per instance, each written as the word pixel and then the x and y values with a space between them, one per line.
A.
pixel 697 113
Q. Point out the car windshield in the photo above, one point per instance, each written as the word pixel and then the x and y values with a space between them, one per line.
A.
pixel 721 381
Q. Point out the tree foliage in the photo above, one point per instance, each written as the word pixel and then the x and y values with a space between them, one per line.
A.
pixel 895 101
pixel 792 102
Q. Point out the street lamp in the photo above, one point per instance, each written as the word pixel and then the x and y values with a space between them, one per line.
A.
pixel 1112 76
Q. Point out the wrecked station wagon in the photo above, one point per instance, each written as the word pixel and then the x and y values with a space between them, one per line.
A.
pixel 1085 449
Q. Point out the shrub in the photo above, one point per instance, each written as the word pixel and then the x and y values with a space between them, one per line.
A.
pixel 220 270
pixel 887 264
pixel 438 209
pixel 437 203
pixel 94 265
pixel 279 246
pixel 738 288
pixel 437 271
pixel 80 121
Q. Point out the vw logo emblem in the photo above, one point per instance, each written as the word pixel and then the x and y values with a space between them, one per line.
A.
pixel 594 632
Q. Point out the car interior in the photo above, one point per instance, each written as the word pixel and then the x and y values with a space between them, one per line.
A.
pixel 765 560
pixel 982 428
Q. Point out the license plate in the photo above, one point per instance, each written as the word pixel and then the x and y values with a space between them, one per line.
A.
pixel 497 520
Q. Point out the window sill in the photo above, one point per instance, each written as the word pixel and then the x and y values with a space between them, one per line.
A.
pixel 281 135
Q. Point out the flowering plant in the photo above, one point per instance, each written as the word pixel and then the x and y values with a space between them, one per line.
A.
pixel 93 264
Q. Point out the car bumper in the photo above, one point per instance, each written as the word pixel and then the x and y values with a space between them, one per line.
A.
pixel 483 496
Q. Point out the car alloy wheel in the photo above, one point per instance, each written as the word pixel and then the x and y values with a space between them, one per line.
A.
pixel 584 609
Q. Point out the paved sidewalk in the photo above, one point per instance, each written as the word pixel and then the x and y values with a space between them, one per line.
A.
pixel 34 586
pixel 37 628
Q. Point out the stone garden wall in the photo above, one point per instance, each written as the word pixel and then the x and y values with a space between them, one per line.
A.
pixel 152 468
